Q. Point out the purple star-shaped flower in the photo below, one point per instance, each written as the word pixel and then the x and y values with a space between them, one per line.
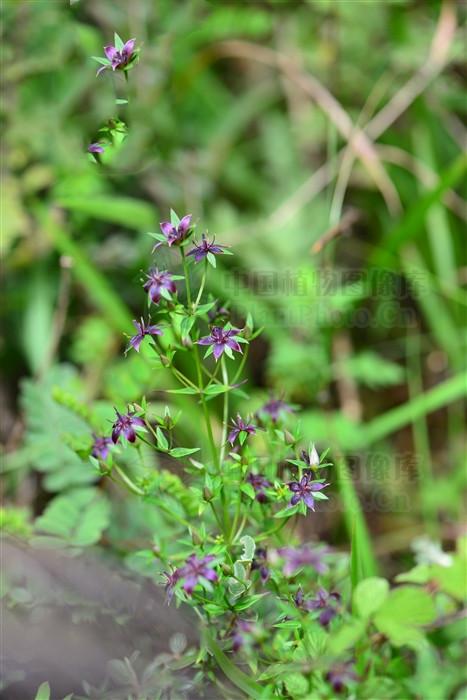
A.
pixel 327 603
pixel 174 235
pixel 119 59
pixel 142 330
pixel 222 340
pixel 340 675
pixel 159 284
pixel 196 569
pixel 303 491
pixel 125 425
pixel 240 634
pixel 260 563
pixel 259 483
pixel 203 249
pixel 275 408
pixel 100 447
pixel 95 148
pixel 240 428
pixel 297 557
pixel 171 581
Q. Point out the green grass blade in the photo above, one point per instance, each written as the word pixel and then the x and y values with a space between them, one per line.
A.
pixel 234 674
pixel 363 562
pixel 438 397
pixel 432 305
pixel 411 224
pixel 437 222
pixel 126 211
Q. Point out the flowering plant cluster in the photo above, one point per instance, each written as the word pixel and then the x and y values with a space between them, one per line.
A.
pixel 281 615
pixel 249 477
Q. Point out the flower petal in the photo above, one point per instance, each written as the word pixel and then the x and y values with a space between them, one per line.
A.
pixel 129 433
pixel 318 486
pixel 218 350
pixel 233 345
pixel 135 342
pixel 129 47
pixel 210 575
pixel 111 53
pixel 184 224
pixel 167 228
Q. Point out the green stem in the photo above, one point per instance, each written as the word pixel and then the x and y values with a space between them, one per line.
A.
pixel 241 366
pixel 212 376
pixel 176 372
pixel 225 380
pixel 187 278
pixel 198 369
pixel 207 418
pixel 131 486
pixel 201 288
pixel 182 379
pixel 218 520
pixel 225 509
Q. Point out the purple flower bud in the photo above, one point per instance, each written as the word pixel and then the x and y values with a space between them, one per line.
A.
pixel 311 458
pixel 260 563
pixel 95 148
pixel 218 314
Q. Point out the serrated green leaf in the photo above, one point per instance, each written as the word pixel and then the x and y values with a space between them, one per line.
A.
pixel 77 517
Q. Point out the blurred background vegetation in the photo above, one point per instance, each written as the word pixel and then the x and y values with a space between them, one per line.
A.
pixel 323 141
